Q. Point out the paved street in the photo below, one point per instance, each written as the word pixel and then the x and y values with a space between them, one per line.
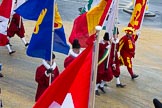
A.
pixel 18 85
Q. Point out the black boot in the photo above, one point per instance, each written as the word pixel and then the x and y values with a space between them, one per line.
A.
pixel 97 93
pixel 105 85
pixel 157 103
pixel 102 89
pixel 26 44
pixel 134 76
pixel 1 75
pixel 10 53
pixel 10 44
pixel 120 85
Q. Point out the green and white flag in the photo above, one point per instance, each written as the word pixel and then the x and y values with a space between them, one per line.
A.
pixel 89 5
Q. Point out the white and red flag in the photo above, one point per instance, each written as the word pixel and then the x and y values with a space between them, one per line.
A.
pixel 5 10
pixel 72 87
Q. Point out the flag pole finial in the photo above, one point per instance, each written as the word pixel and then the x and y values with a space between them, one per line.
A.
pixel 98 28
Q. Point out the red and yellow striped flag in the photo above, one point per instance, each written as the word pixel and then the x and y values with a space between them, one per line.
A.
pixel 137 14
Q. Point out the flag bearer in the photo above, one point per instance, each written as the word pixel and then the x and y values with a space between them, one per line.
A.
pixel 42 76
pixel 73 53
pixel 110 65
pixel 16 26
pixel 114 63
pixel 127 50
pixel 102 72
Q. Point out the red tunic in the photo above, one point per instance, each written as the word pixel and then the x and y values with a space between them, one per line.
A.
pixel 43 80
pixel 127 46
pixel 16 26
pixel 102 48
pixel 3 40
pixel 68 60
pixel 114 59
pixel 127 51
pixel 103 73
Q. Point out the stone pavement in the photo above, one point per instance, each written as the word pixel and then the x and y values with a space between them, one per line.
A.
pixel 18 86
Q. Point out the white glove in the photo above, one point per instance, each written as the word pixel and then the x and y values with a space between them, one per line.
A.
pixel 108 47
pixel 114 66
pixel 118 53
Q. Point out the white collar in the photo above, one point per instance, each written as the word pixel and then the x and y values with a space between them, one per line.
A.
pixel 102 42
pixel 71 52
pixel 115 42
pixel 48 66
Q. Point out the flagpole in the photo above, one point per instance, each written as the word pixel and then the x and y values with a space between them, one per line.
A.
pixel 52 40
pixel 115 24
pixel 115 28
pixel 116 18
pixel 94 68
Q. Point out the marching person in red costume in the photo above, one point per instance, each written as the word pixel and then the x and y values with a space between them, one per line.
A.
pixel 127 50
pixel 3 36
pixel 114 63
pixel 102 72
pixel 106 72
pixel 73 53
pixel 16 26
pixel 42 76
pixel 9 48
pixel 4 41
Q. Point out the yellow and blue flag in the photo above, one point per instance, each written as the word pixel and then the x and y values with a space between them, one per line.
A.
pixel 40 43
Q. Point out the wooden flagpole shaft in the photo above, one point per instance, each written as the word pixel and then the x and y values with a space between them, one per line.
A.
pixel 116 27
pixel 94 68
pixel 52 40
